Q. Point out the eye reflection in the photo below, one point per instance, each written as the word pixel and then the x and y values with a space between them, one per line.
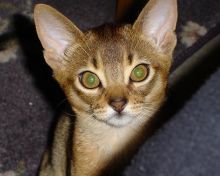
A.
pixel 89 80
pixel 139 73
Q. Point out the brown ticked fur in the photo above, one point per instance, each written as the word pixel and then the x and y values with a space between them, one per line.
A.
pixel 94 138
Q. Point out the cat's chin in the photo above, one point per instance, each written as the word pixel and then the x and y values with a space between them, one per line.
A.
pixel 119 120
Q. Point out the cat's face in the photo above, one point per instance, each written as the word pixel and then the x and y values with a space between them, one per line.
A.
pixel 116 75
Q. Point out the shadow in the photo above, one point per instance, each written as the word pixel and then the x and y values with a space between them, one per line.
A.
pixel 36 66
pixel 186 86
pixel 177 96
pixel 34 61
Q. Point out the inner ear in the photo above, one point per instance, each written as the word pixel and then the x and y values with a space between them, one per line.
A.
pixel 157 22
pixel 55 32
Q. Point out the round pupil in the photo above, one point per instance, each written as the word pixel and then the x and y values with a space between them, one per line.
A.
pixel 139 72
pixel 90 79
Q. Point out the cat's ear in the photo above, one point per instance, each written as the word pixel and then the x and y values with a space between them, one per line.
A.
pixel 56 34
pixel 157 22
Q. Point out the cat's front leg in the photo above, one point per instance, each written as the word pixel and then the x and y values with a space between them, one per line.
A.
pixel 55 162
pixel 46 168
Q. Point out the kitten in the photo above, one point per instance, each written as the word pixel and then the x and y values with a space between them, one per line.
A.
pixel 115 80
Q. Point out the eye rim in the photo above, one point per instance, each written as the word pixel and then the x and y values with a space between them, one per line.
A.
pixel 145 77
pixel 82 82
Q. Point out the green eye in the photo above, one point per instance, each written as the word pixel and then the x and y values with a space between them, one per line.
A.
pixel 89 80
pixel 139 73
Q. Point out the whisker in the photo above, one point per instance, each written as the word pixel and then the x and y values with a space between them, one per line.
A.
pixel 71 115
pixel 66 60
pixel 84 50
pixel 60 103
pixel 87 46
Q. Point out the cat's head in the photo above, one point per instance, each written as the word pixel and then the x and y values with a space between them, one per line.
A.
pixel 113 74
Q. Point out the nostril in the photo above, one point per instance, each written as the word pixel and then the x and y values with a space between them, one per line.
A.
pixel 118 104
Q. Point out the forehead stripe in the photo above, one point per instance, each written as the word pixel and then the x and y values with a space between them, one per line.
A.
pixel 94 62
pixel 130 58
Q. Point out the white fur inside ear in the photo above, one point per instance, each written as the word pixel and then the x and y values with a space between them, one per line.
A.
pixel 52 29
pixel 155 23
pixel 158 20
pixel 56 34
pixel 54 38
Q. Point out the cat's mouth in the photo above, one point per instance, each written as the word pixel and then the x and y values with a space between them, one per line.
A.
pixel 116 120
pixel 119 119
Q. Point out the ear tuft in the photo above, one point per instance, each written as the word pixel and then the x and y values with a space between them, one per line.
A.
pixel 157 22
pixel 55 32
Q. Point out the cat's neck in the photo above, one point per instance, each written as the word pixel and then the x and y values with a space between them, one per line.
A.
pixel 96 143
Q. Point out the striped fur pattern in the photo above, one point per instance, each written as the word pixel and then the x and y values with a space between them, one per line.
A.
pixel 88 142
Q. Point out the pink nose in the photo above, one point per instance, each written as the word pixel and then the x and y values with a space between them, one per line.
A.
pixel 118 104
